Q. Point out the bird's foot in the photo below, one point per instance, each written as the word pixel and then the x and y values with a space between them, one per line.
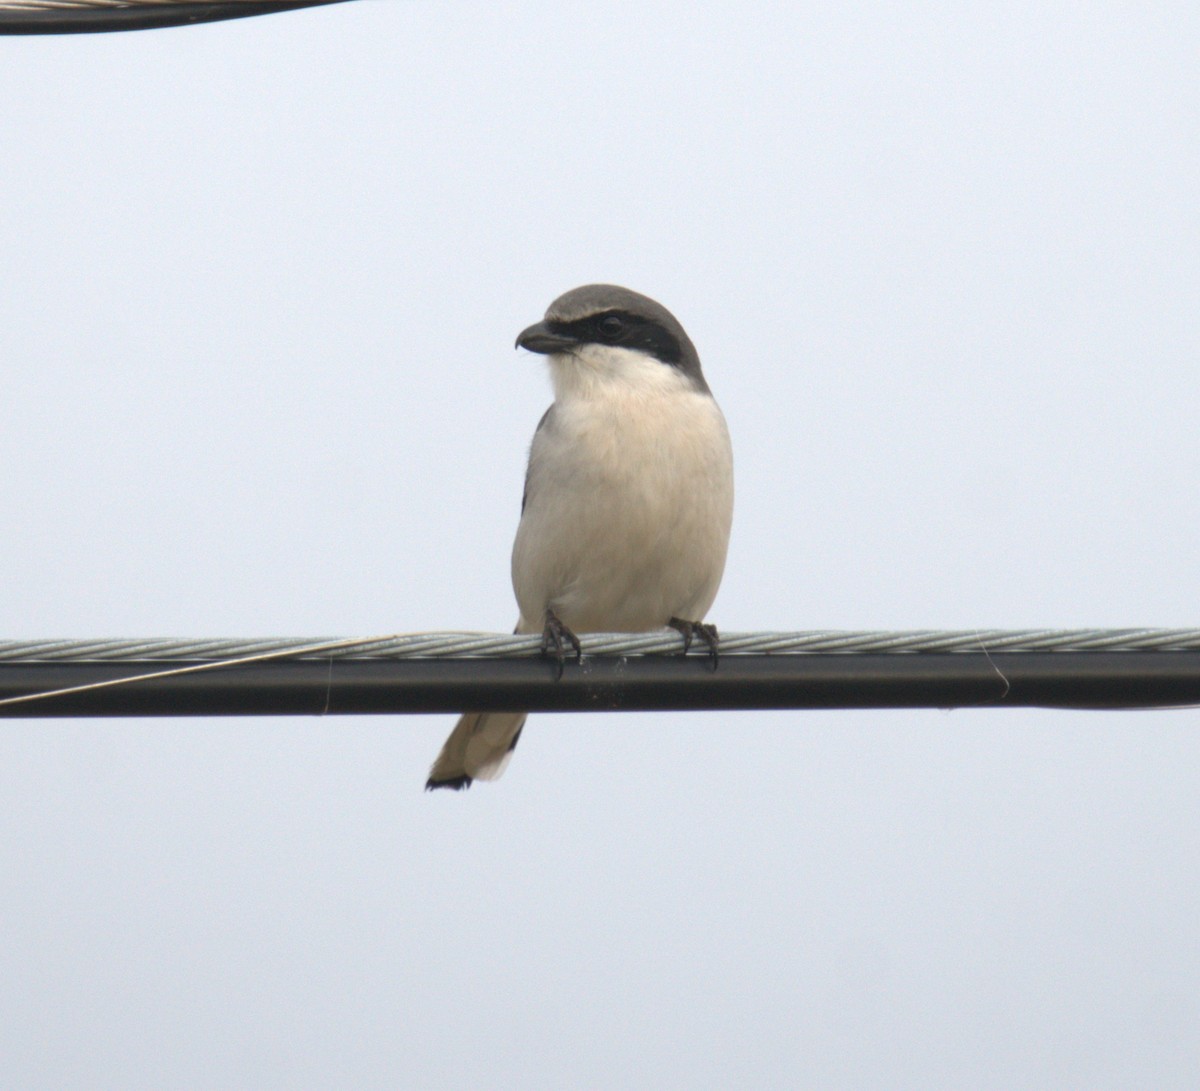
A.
pixel 689 630
pixel 556 637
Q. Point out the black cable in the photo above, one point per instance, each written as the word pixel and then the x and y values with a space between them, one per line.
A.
pixel 1083 680
pixel 106 16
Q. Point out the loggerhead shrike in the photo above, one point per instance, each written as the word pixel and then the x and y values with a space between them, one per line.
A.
pixel 628 497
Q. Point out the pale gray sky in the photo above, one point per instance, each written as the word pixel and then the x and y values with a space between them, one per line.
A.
pixel 942 264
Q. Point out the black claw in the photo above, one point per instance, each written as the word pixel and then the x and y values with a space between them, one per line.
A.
pixel 684 629
pixel 691 629
pixel 555 637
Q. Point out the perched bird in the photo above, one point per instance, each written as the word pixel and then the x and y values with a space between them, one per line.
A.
pixel 628 497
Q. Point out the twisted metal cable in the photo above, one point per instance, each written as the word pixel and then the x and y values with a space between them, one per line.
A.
pixel 449 672
pixel 455 645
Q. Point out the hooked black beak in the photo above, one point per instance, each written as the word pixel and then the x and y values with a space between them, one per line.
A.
pixel 540 338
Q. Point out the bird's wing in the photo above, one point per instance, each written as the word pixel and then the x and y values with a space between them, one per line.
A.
pixel 541 424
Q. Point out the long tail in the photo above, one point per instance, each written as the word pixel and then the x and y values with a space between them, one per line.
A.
pixel 479 748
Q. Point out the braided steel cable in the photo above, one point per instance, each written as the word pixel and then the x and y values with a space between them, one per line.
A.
pixel 452 645
pixel 444 672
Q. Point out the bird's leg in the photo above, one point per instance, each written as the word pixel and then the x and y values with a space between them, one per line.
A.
pixel 555 637
pixel 691 629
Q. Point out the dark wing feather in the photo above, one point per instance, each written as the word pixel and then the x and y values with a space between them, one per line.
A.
pixel 541 423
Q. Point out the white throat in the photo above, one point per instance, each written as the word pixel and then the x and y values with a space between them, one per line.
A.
pixel 597 371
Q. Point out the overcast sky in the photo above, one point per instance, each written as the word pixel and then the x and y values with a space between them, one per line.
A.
pixel 262 281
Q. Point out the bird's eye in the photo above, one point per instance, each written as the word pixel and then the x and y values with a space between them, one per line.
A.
pixel 611 326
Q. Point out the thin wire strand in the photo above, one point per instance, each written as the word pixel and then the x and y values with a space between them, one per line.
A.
pixel 192 668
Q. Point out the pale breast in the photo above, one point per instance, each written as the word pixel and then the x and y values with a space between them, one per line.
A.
pixel 628 510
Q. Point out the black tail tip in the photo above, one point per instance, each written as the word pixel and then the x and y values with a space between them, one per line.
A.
pixel 456 784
